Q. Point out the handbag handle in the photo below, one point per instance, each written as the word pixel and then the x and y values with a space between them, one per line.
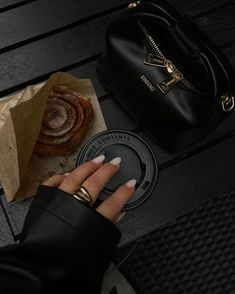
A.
pixel 215 61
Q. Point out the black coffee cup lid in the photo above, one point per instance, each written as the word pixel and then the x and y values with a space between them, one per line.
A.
pixel 138 162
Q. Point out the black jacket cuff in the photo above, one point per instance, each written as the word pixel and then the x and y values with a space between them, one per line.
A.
pixel 65 245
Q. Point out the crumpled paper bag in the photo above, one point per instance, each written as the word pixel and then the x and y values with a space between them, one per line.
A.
pixel 21 115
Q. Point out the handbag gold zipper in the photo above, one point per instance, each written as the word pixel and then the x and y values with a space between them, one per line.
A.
pixel 159 60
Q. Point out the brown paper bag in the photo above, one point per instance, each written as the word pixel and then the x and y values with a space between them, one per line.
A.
pixel 21 115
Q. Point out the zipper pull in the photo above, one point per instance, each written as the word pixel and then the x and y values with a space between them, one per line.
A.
pixel 159 61
pixel 167 85
pixel 177 76
pixel 155 60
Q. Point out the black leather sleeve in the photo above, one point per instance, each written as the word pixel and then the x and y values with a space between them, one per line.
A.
pixel 65 248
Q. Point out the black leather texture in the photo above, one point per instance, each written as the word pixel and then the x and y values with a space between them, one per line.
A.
pixel 65 247
pixel 180 115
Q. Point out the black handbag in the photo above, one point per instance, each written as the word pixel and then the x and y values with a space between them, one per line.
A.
pixel 167 74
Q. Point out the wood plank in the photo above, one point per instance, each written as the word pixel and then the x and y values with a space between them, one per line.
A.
pixel 36 61
pixel 219 25
pixel 9 4
pixel 26 22
pixel 182 188
pixel 88 71
pixel 115 116
pixel 196 7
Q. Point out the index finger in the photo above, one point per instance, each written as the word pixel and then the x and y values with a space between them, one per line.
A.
pixel 75 178
pixel 112 206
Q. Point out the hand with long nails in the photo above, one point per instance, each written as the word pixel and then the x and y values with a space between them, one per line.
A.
pixel 93 176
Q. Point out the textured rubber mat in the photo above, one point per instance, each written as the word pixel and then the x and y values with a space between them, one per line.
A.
pixel 193 254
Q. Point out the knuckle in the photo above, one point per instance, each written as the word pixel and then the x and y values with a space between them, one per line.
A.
pixel 70 180
pixel 68 183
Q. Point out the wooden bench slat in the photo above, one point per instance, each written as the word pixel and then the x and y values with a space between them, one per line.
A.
pixel 88 71
pixel 116 117
pixel 196 7
pixel 41 17
pixel 40 58
pixel 5 4
pixel 219 25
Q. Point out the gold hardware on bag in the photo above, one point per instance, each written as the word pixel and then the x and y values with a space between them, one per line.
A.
pixel 155 60
pixel 227 102
pixel 167 85
pixel 133 4
pixel 159 61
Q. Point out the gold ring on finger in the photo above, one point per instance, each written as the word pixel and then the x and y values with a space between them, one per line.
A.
pixel 82 195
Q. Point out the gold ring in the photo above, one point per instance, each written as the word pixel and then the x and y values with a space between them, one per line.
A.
pixel 82 195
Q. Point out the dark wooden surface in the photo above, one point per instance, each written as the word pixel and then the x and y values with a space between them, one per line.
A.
pixel 43 36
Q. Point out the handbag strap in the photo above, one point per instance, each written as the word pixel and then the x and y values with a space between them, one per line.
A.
pixel 218 67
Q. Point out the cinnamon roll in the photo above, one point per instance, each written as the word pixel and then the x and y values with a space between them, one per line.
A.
pixel 67 118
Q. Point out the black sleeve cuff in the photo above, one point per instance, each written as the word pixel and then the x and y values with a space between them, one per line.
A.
pixel 71 233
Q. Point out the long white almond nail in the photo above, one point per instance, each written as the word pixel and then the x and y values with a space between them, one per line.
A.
pixel 131 183
pixel 98 159
pixel 116 161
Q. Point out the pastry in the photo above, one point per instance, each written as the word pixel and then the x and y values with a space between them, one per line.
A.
pixel 67 118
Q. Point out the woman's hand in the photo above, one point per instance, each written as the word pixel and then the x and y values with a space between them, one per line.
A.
pixel 93 176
